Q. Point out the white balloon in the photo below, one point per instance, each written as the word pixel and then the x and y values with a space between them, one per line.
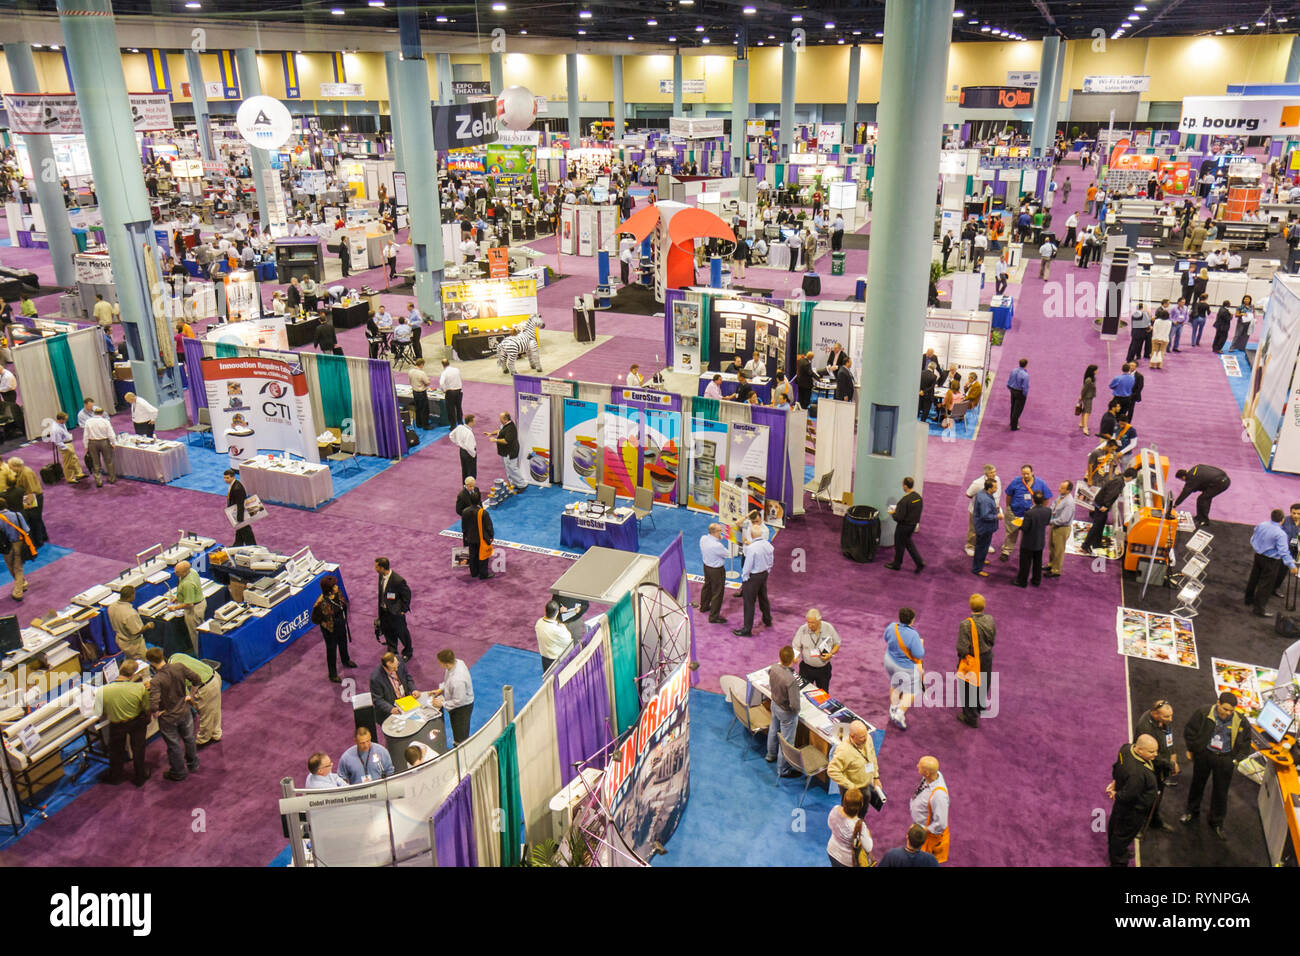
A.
pixel 516 108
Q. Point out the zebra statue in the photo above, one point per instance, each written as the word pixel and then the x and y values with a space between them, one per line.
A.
pixel 523 341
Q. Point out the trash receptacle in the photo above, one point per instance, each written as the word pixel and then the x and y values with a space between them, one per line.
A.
pixel 584 325
pixel 860 533
pixel 837 263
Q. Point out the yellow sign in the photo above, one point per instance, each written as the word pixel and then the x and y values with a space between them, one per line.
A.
pixel 485 304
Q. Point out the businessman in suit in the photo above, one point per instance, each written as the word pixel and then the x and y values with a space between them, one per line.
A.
pixel 836 357
pixel 394 602
pixel 389 682
pixel 236 496
pixel 844 384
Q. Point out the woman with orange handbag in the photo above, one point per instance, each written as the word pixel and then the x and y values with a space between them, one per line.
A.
pixel 975 636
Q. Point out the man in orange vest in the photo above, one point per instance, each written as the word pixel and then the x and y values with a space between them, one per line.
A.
pixel 929 808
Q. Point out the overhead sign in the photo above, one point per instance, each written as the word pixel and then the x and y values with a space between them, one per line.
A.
pixel 1026 78
pixel 468 124
pixel 1013 162
pixel 214 90
pixel 755 127
pixel 996 98
pixel 44 115
pixel 328 90
pixel 518 137
pixel 691 128
pixel 829 135
pixel 688 86
pixel 1250 115
pixel 264 121
pixel 471 88
pixel 1116 84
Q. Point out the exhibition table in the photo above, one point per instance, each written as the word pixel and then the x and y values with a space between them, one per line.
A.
pixel 423 725
pixel 778 256
pixel 302 333
pixel 1004 310
pixel 437 403
pixel 350 316
pixel 816 726
pixel 729 382
pixel 472 345
pixel 617 531
pixel 300 483
pixel 150 459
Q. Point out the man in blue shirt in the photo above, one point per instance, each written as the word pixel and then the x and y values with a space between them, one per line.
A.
pixel 365 761
pixel 912 854
pixel 1020 498
pixel 321 775
pixel 714 551
pixel 416 321
pixel 1121 387
pixel 1291 528
pixel 904 651
pixel 1272 550
pixel 758 562
pixel 1018 383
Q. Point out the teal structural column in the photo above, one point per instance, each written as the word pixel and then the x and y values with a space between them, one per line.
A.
pixel 45 172
pixel 199 98
pixel 445 95
pixel 851 97
pixel 250 84
pixel 575 116
pixel 619 108
pixel 90 42
pixel 391 59
pixel 913 77
pixel 413 122
pixel 787 99
pixel 1048 93
pixel 677 83
pixel 739 113
pixel 1293 63
pixel 496 72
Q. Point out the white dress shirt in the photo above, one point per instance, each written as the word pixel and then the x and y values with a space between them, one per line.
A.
pixel 462 436
pixel 142 411
pixel 450 379
pixel 714 551
pixel 713 390
pixel 553 638
pixel 98 427
pixel 8 381
pixel 976 486
pixel 758 557
pixel 457 688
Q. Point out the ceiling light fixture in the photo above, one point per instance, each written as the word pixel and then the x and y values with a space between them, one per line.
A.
pixel 193 5
pixel 652 22
pixel 958 14
pixel 830 24
pixel 373 3
pixel 499 7
pixel 879 34
pixel 840 40
pixel 582 33
pixel 749 11
pixel 686 3
pixel 440 19
pixel 699 29
pixel 672 39
pixel 857 33
pixel 705 40
pixel 1135 16
pixel 1260 23
pixel 985 29
pixel 337 11
pixel 584 14
pixel 1141 8
pixel 1231 30
pixel 796 18
pixel 524 32
pixel 630 37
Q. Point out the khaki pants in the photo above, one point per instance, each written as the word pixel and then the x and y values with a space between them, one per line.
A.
pixel 1158 353
pixel 71 464
pixel 194 616
pixel 1013 533
pixel 1056 553
pixel 99 452
pixel 207 700
pixel 14 562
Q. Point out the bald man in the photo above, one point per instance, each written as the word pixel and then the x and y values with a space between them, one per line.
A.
pixel 189 598
pixel 853 765
pixel 1133 787
pixel 714 552
pixel 929 808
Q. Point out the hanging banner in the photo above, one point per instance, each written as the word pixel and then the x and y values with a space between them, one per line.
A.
pixel 471 88
pixel 747 463
pixel 466 124
pixel 1248 115
pixel 829 135
pixel 580 429
pixel 242 298
pixel 93 268
pixel 692 128
pixel 42 114
pixel 622 442
pixel 259 403
pixel 535 435
pixel 331 90
pixel 568 230
pixel 1116 84
pixel 647 787
pixel 1028 78
pixel 708 464
pixel 399 188
pixel 660 453
pixel 1271 404
pixel 996 98
pixel 264 121
pixel 688 86
pixel 686 336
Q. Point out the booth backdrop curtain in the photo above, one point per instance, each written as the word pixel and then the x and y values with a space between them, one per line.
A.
pixel 390 437
pixel 777 461
pixel 538 758
pixel 335 390
pixel 227 350
pixel 35 385
pixel 623 646
pixel 65 375
pixel 706 316
pixel 706 408
pixel 484 783
pixel 508 796
pixel 196 395
pixel 528 384
pixel 311 369
pixel 453 827
pixel 672 565
pixel 803 316
pixel 93 376
pixel 363 413
pixel 582 710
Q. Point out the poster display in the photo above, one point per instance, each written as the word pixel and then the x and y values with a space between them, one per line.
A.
pixel 1272 375
pixel 580 428
pixel 511 167
pixel 45 114
pixel 1155 637
pixel 646 789
pixel 488 299
pixel 534 416
pixel 568 230
pixel 731 507
pixel 747 463
pixel 661 453
pixel 266 332
pixel 242 299
pixel 1250 682
pixel 1079 533
pixel 686 337
pixel 260 403
pixel 622 439
pixel 708 464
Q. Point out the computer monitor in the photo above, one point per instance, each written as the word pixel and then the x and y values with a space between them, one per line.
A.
pixel 11 638
pixel 1274 721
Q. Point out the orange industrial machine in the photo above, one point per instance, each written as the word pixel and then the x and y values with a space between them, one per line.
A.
pixel 1273 732
pixel 1148 533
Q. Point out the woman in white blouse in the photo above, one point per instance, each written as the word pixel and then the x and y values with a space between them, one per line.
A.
pixel 846 823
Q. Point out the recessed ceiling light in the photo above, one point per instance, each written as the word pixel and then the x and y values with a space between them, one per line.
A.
pixel 840 40
pixel 1135 16
pixel 582 33
pixel 1218 33
pixel 699 29
pixel 499 7
pixel 771 36
pixel 672 39
pixel 1260 23
pixel 337 11
pixel 193 5
pixel 1231 30
pixel 857 33
pixel 686 3
pixel 652 22
pixel 879 34
pixel 1141 8
pixel 135 49
pixel 1281 19
pixel 749 11
pixel 373 3
pixel 630 37
pixel 705 40
pixel 524 32
pixel 440 19
pixel 985 29
pixel 958 14
pixel 830 24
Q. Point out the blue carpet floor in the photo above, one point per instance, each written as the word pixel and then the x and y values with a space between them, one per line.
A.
pixel 964 430
pixel 533 518
pixel 1240 384
pixel 207 467
pixel 48 554
pixel 739 812
pixel 500 666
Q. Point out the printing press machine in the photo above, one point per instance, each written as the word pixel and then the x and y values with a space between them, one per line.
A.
pixel 267 592
pixel 1149 533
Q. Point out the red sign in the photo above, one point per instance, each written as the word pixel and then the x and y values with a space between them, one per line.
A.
pixel 498 263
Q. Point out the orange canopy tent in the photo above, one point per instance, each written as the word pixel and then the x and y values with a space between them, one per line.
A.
pixel 684 227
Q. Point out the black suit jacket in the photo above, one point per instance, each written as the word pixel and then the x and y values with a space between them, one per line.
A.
pixel 469 527
pixel 835 359
pixel 236 495
pixel 467 498
pixel 844 384
pixel 381 688
pixel 908 510
pixel 401 602
pixel 1034 528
